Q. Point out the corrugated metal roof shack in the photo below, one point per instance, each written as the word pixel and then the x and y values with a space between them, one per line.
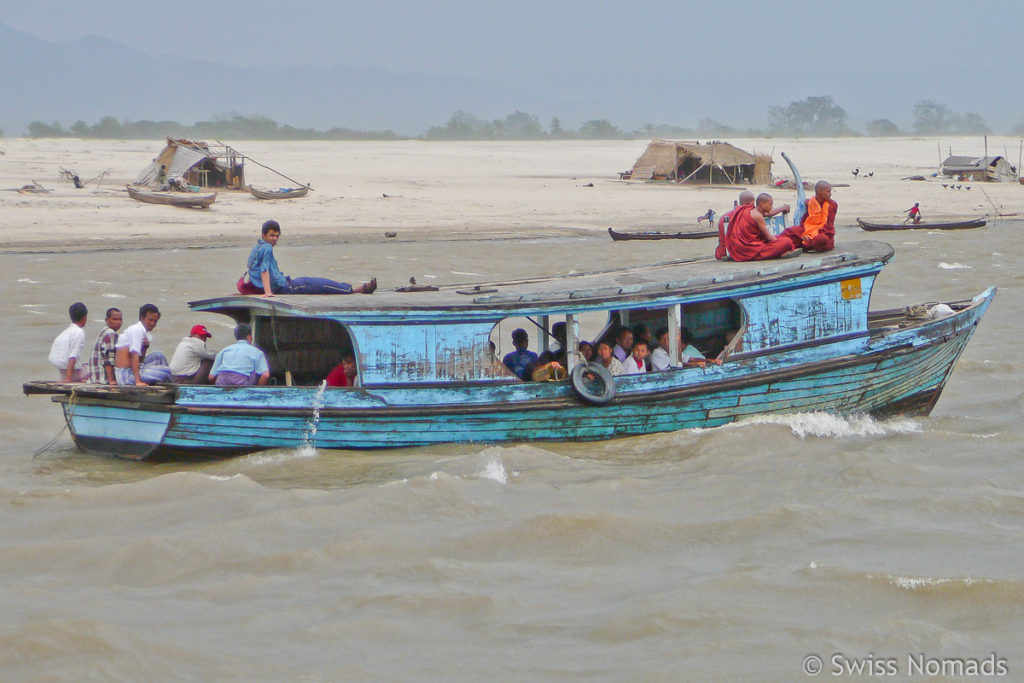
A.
pixel 196 163
pixel 994 169
pixel 712 163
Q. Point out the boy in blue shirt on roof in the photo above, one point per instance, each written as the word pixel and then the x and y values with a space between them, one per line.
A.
pixel 264 277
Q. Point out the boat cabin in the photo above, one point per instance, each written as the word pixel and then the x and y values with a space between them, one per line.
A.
pixel 445 336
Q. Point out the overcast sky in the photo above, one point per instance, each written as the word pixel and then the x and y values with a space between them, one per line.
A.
pixel 797 45
pixel 486 38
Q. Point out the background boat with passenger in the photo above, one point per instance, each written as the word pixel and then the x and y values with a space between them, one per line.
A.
pixel 794 335
pixel 931 225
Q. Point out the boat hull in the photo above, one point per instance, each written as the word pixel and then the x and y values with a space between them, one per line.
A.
pixel 898 372
pixel 620 236
pixel 188 200
pixel 293 193
pixel 959 225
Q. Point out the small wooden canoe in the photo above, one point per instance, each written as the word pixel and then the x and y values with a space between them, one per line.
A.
pixel 958 225
pixel 619 236
pixel 281 193
pixel 191 200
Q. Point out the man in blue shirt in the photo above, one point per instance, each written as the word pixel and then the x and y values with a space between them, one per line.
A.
pixel 522 361
pixel 267 279
pixel 240 364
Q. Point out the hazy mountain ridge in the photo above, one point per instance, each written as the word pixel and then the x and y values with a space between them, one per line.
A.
pixel 94 77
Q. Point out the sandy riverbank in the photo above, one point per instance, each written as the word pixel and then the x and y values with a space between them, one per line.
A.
pixel 447 190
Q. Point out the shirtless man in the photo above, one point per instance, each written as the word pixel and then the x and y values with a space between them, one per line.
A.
pixel 748 237
pixel 817 231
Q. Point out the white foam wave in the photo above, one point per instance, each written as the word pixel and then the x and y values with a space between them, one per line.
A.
pixel 834 426
pixel 494 470
pixel 28 281
pixel 459 272
pixel 225 477
pixel 913 583
pixel 260 459
pixel 954 266
pixel 113 296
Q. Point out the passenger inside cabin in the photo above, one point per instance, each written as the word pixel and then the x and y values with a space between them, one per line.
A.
pixel 636 364
pixel 240 364
pixel 691 354
pixel 660 359
pixel 606 357
pixel 623 343
pixel 586 350
pixel 344 373
pixel 521 361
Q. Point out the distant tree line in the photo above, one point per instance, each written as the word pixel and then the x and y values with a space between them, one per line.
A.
pixel 229 126
pixel 817 116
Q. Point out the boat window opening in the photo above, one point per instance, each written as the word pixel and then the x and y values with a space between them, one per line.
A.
pixel 713 324
pixel 304 348
pixel 543 342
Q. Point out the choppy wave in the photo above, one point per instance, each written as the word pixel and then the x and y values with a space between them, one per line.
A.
pixel 954 266
pixel 833 426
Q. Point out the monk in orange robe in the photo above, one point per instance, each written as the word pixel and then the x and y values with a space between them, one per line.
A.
pixel 748 237
pixel 817 231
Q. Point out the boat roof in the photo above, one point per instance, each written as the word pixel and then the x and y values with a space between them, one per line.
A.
pixel 648 281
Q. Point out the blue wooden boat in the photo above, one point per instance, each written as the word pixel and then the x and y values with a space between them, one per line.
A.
pixel 795 335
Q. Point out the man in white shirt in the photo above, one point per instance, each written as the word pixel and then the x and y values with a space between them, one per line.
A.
pixel 634 363
pixel 192 361
pixel 67 347
pixel 133 366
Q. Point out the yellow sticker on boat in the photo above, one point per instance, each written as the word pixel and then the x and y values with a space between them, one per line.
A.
pixel 850 289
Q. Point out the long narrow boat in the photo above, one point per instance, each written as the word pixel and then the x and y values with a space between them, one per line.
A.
pixel 795 335
pixel 190 200
pixel 620 235
pixel 956 225
pixel 281 193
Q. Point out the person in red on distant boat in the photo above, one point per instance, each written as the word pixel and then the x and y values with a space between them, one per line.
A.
pixel 914 214
pixel 748 237
pixel 817 231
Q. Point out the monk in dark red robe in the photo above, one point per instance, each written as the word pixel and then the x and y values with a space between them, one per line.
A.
pixel 746 197
pixel 817 231
pixel 748 237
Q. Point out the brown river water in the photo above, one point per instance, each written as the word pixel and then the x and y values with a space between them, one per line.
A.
pixel 733 553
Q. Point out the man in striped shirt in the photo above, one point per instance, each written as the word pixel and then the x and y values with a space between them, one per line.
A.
pixel 101 363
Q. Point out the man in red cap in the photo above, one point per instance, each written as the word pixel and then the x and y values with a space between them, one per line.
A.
pixel 192 361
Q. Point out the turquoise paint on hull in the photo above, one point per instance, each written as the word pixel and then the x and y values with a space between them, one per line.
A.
pixel 807 345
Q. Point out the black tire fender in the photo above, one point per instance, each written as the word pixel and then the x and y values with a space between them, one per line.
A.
pixel 593 384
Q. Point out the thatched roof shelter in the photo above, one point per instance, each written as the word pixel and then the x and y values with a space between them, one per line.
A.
pixel 688 161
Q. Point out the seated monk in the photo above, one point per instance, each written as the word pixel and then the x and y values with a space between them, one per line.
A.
pixel 817 231
pixel 746 197
pixel 748 237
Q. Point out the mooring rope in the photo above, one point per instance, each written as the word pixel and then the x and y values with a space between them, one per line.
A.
pixel 71 413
